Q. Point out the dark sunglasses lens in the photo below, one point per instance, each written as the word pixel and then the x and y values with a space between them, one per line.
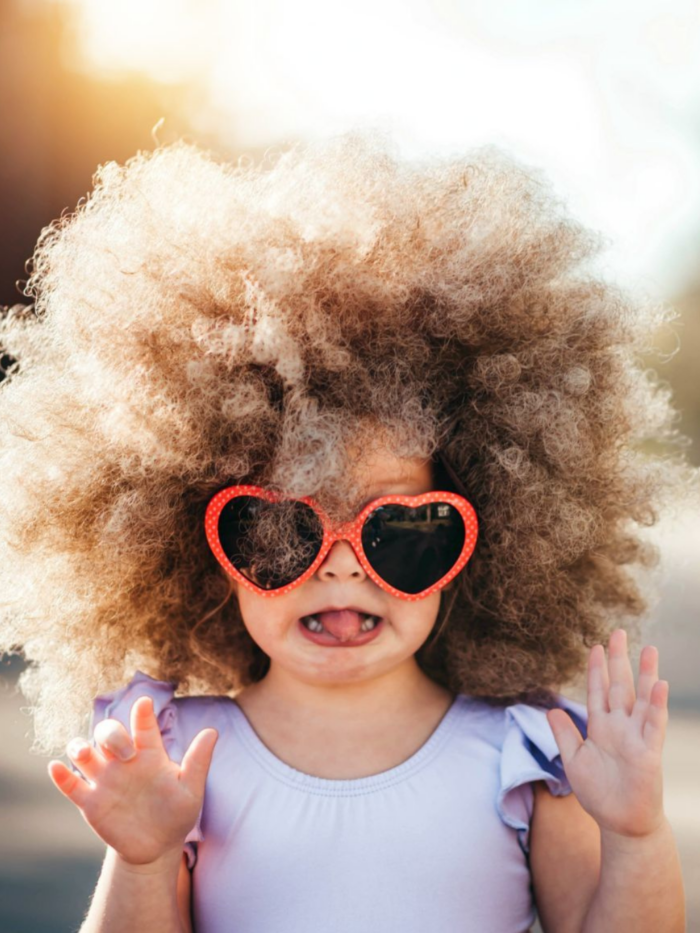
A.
pixel 413 548
pixel 271 543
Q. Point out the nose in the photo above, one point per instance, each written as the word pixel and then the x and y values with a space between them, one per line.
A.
pixel 341 564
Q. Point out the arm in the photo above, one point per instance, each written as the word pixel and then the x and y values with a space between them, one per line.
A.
pixel 139 898
pixel 564 860
pixel 184 895
pixel 641 885
pixel 141 804
pixel 616 775
pixel 586 881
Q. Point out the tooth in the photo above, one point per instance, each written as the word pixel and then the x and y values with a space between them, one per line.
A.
pixel 313 624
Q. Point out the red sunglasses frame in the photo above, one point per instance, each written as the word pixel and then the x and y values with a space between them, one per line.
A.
pixel 345 531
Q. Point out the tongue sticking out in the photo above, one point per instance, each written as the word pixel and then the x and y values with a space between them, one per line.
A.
pixel 343 623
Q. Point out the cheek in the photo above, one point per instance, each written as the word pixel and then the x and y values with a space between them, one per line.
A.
pixel 264 618
pixel 253 611
pixel 415 620
pixel 262 627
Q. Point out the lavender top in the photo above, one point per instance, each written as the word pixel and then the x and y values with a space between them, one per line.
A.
pixel 439 842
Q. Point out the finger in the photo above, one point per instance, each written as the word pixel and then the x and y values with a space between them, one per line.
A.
pixel 648 676
pixel 654 731
pixel 114 740
pixel 87 759
pixel 197 760
pixel 566 733
pixel 71 785
pixel 621 694
pixel 598 684
pixel 144 725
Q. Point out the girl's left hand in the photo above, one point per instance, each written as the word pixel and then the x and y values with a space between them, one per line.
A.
pixel 616 771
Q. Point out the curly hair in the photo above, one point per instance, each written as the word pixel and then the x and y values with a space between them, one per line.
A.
pixel 197 323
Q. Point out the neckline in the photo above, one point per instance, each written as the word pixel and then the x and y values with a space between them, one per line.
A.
pixel 341 787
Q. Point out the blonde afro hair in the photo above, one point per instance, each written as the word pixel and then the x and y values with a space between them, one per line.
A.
pixel 197 323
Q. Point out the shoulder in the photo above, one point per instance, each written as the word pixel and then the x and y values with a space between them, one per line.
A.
pixel 524 754
pixel 179 718
pixel 521 732
pixel 561 840
pixel 522 721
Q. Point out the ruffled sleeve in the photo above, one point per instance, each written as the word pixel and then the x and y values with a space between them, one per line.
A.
pixel 117 705
pixel 530 753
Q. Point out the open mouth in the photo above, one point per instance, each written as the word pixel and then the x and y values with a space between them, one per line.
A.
pixel 313 624
pixel 342 627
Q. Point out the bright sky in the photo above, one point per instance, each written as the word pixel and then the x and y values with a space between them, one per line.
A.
pixel 601 94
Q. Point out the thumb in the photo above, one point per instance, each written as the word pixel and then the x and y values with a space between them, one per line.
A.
pixel 197 760
pixel 566 734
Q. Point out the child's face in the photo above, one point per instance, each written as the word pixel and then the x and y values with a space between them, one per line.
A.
pixel 275 624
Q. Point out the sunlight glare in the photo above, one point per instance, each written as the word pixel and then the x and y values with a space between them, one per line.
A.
pixel 601 97
pixel 159 37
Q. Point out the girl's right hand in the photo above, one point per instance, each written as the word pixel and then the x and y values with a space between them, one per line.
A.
pixel 142 807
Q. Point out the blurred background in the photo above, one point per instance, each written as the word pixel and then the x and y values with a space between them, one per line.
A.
pixel 604 95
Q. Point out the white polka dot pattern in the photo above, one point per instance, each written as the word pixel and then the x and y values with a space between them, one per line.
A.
pixel 350 531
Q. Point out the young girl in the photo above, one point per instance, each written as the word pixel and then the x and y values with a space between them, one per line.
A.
pixel 344 449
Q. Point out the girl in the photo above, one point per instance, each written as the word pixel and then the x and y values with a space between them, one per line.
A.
pixel 345 450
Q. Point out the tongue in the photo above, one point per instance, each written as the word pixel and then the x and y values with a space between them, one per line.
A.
pixel 344 623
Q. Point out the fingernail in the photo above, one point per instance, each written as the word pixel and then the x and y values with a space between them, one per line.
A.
pixel 77 748
pixel 126 754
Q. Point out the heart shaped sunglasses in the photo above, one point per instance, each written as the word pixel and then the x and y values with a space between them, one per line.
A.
pixel 410 546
